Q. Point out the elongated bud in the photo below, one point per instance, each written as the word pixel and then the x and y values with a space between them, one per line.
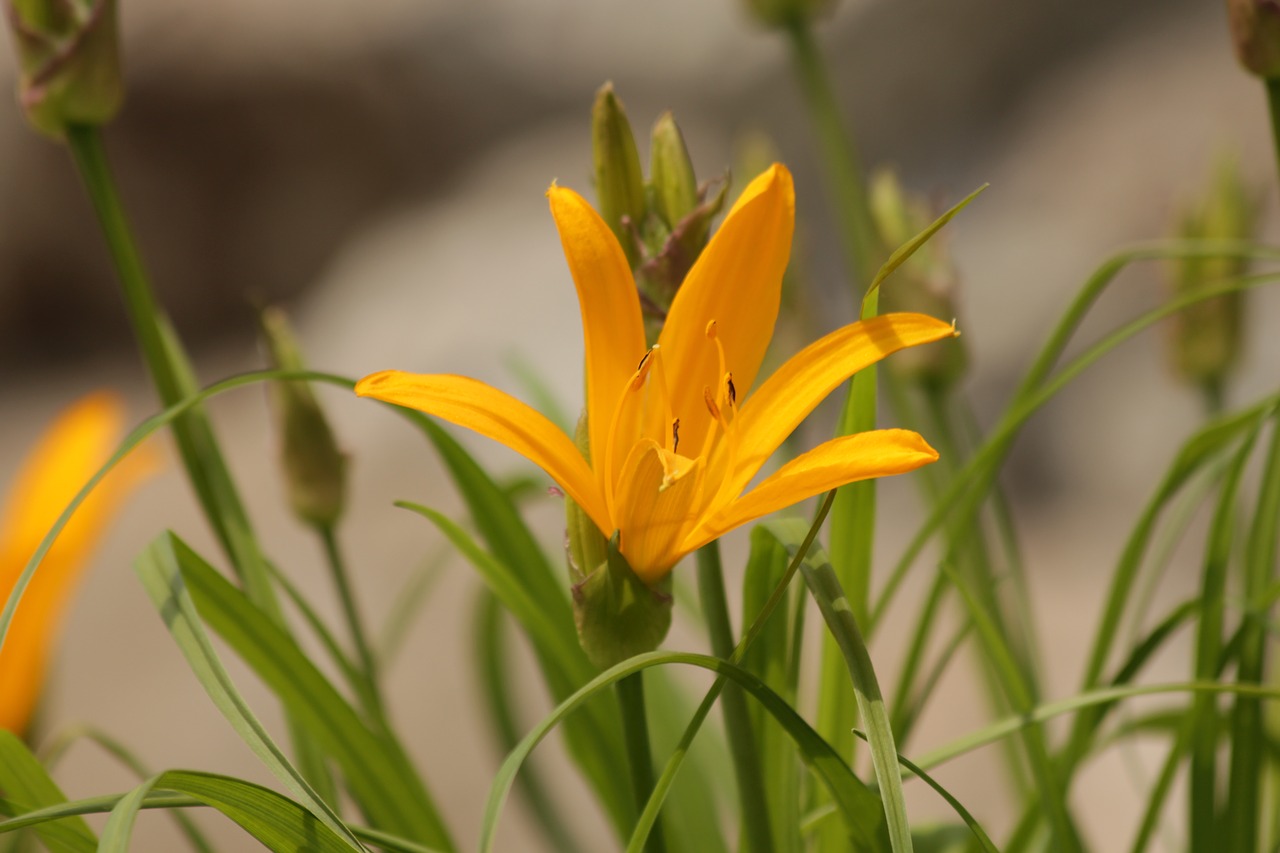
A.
pixel 784 13
pixel 1255 29
pixel 619 183
pixel 1205 338
pixel 925 283
pixel 675 188
pixel 617 614
pixel 585 546
pixel 69 66
pixel 315 469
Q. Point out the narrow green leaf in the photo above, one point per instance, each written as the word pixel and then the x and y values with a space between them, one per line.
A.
pixel 374 766
pixel 769 659
pixel 26 784
pixel 979 834
pixel 1202 721
pixel 564 666
pixel 1248 735
pixel 159 568
pixel 65 737
pixel 493 668
pixel 273 819
pixel 838 615
pixel 909 248
pixel 858 804
pixel 959 504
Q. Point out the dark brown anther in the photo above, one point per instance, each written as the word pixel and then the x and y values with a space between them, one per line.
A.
pixel 733 392
pixel 675 436
pixel 643 359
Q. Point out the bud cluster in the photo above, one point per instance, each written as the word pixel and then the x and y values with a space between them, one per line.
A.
pixel 68 58
pixel 926 283
pixel 1205 338
pixel 663 224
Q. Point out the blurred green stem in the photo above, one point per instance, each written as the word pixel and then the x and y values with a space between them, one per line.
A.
pixel 737 722
pixel 635 726
pixel 194 436
pixel 1273 106
pixel 372 697
pixel 862 247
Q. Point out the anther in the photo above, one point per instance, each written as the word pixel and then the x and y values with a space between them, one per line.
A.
pixel 733 392
pixel 711 403
pixel 711 330
pixel 675 436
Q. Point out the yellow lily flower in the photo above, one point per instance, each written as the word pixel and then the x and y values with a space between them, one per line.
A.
pixel 676 435
pixel 67 455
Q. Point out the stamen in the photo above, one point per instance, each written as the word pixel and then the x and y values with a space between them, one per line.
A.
pixel 675 436
pixel 642 369
pixel 711 403
pixel 733 392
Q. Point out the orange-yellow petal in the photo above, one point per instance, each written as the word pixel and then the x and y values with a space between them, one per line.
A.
pixel 612 328
pixel 67 455
pixel 737 282
pixel 848 459
pixel 793 391
pixel 488 411
pixel 655 507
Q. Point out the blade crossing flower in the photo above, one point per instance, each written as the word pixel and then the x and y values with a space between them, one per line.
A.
pixel 676 432
pixel 64 459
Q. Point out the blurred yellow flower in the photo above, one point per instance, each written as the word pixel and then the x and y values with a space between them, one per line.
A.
pixel 67 455
pixel 675 438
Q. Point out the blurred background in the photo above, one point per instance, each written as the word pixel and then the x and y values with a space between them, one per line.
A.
pixel 378 168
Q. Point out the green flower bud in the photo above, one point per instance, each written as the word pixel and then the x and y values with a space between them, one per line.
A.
pixel 784 13
pixel 1255 29
pixel 585 546
pixel 619 183
pixel 925 283
pixel 675 189
pixel 1205 338
pixel 69 61
pixel 315 469
pixel 617 614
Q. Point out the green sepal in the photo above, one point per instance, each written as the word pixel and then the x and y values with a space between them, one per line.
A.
pixel 618 615
pixel 675 188
pixel 585 546
pixel 619 182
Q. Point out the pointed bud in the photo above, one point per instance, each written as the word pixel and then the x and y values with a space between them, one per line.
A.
pixel 1205 338
pixel 786 13
pixel 619 183
pixel 1255 29
pixel 925 283
pixel 675 189
pixel 585 546
pixel 69 61
pixel 617 614
pixel 315 469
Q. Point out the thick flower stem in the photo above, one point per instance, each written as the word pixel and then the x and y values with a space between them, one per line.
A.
pixel 742 744
pixel 1273 106
pixel 371 695
pixel 635 726
pixel 192 432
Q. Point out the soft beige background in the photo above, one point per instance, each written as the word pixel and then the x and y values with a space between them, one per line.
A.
pixel 381 166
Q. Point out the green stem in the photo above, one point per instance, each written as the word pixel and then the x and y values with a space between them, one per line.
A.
pixel 1273 108
pixel 742 744
pixel 355 625
pixel 160 350
pixel 635 727
pixel 862 246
